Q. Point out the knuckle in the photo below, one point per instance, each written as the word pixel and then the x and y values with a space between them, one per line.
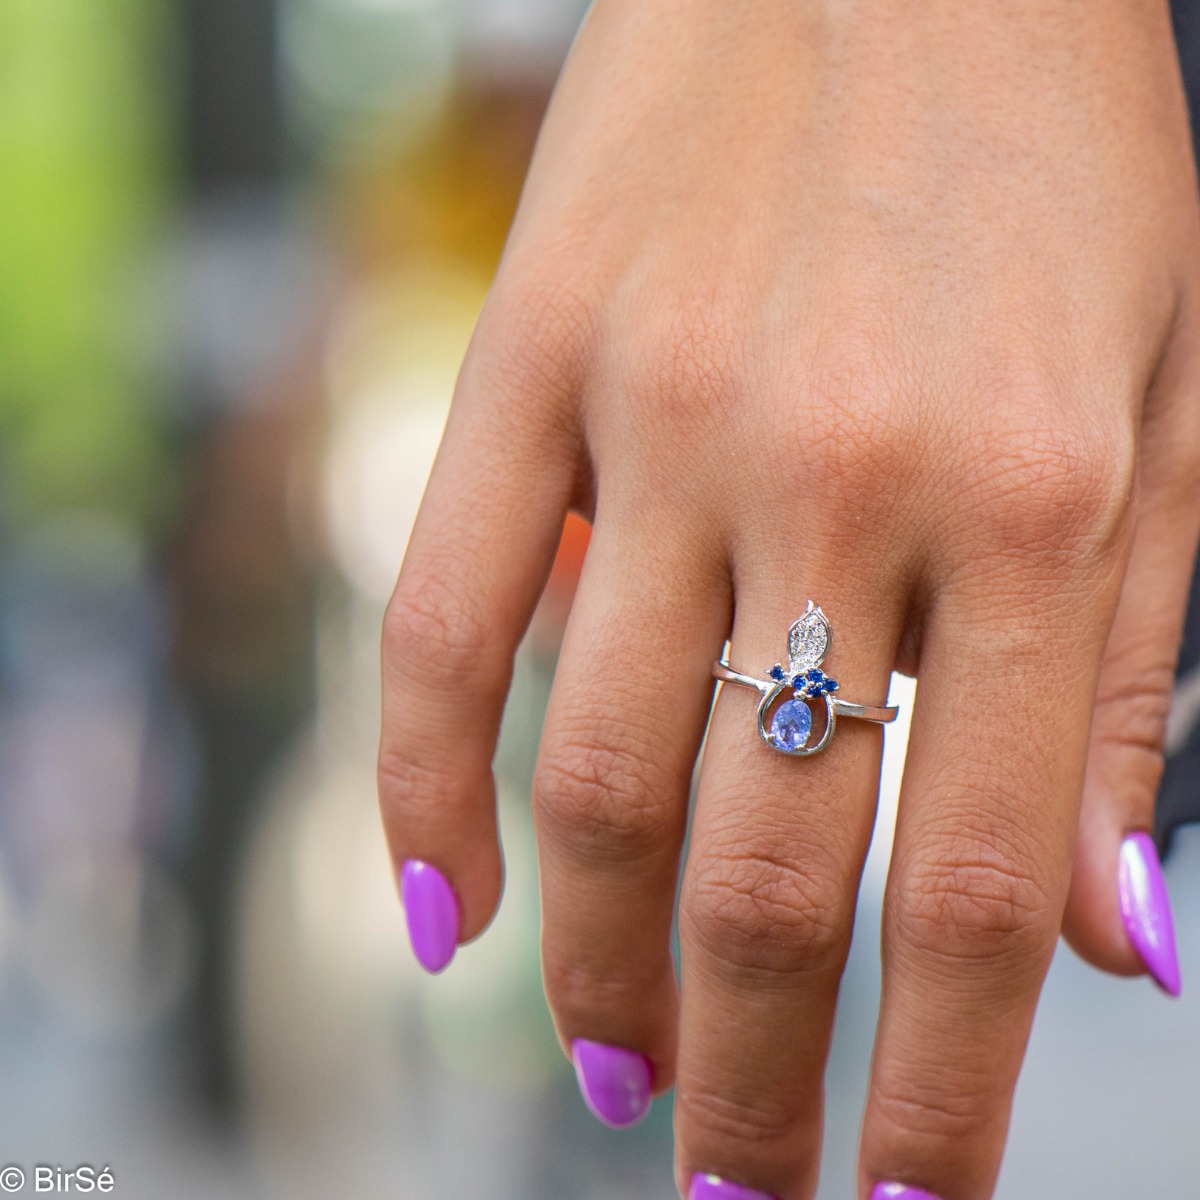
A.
pixel 430 635
pixel 535 335
pixel 714 1118
pixel 859 428
pixel 865 435
pixel 1054 492
pixel 431 631
pixel 687 367
pixel 948 1103
pixel 973 910
pixel 579 984
pixel 761 915
pixel 410 781
pixel 1133 705
pixel 605 801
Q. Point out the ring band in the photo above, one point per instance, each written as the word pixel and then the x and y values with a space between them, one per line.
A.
pixel 809 639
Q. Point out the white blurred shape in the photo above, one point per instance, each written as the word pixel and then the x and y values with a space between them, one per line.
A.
pixel 378 462
pixel 1185 711
pixel 903 692
pixel 365 73
pixel 520 39
pixel 391 365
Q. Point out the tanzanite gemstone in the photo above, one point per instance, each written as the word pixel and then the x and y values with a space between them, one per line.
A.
pixel 791 724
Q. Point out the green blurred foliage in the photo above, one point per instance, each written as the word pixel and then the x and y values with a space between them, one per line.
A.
pixel 87 164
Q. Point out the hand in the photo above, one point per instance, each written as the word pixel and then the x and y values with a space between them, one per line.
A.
pixel 890 307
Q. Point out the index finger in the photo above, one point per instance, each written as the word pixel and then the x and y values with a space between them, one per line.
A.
pixel 479 554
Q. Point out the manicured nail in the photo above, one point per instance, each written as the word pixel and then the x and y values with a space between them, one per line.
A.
pixel 1146 910
pixel 615 1083
pixel 900 1191
pixel 431 910
pixel 713 1187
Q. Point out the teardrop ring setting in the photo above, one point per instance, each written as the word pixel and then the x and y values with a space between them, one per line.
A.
pixel 788 727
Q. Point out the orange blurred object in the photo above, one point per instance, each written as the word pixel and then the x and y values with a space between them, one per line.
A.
pixel 550 620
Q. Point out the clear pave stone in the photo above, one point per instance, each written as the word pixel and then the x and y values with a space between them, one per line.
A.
pixel 791 724
pixel 808 640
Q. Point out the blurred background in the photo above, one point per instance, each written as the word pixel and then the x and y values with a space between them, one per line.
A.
pixel 242 247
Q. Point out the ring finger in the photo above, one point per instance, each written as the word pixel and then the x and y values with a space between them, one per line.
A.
pixel 768 908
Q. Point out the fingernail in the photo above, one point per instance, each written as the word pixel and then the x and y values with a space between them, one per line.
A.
pixel 900 1191
pixel 615 1083
pixel 1146 910
pixel 713 1187
pixel 431 911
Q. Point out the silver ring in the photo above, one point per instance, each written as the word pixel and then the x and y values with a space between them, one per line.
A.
pixel 790 728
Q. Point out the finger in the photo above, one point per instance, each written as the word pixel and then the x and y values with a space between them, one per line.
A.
pixel 631 697
pixel 1118 915
pixel 477 559
pixel 978 878
pixel 767 908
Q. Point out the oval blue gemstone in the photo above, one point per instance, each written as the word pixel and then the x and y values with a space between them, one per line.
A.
pixel 791 724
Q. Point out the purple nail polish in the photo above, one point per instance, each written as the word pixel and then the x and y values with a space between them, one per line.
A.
pixel 615 1083
pixel 899 1191
pixel 713 1187
pixel 1146 910
pixel 431 911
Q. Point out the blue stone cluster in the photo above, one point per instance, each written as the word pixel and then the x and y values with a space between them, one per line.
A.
pixel 808 684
